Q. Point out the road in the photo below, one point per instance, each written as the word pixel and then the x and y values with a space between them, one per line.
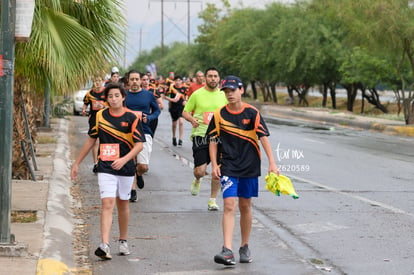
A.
pixel 355 213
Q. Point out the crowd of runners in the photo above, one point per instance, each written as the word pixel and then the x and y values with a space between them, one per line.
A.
pixel 123 119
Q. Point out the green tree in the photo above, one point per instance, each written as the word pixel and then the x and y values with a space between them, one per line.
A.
pixel 383 26
pixel 70 41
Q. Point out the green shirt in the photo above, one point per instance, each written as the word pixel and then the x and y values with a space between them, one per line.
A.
pixel 202 104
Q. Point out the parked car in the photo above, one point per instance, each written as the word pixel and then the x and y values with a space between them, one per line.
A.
pixel 78 101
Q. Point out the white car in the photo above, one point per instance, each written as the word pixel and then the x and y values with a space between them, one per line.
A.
pixel 78 101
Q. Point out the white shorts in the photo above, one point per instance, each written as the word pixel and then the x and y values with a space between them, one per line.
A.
pixel 112 186
pixel 145 155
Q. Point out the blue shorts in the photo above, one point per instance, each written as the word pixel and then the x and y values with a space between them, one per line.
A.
pixel 239 187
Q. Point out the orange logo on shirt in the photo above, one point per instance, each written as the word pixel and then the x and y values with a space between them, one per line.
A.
pixel 246 121
pixel 124 124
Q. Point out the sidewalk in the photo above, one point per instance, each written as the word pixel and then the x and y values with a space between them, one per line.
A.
pixel 49 240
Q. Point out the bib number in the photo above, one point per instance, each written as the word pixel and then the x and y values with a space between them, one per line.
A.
pixel 109 151
pixel 207 116
pixel 97 105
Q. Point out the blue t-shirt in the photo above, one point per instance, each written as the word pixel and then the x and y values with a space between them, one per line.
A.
pixel 145 102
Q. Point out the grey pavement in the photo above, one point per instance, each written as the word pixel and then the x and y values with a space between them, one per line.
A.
pixel 48 242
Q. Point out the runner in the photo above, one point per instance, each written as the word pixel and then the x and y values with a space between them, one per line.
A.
pixel 198 111
pixel 176 96
pixel 148 83
pixel 199 83
pixel 95 98
pixel 121 136
pixel 139 99
pixel 234 134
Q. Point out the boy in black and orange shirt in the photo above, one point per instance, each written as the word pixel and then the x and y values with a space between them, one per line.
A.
pixel 121 135
pixel 234 132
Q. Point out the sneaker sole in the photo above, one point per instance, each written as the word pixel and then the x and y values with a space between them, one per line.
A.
pixel 219 260
pixel 213 208
pixel 102 254
pixel 124 253
pixel 246 261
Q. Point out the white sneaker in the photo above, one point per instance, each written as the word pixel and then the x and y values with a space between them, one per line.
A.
pixel 103 251
pixel 123 248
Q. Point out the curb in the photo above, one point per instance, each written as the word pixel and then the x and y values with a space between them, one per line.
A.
pixel 284 115
pixel 56 256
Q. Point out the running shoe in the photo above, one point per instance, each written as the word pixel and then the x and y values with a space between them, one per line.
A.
pixel 180 143
pixel 134 196
pixel 140 182
pixel 225 257
pixel 244 252
pixel 95 168
pixel 195 187
pixel 212 205
pixel 174 142
pixel 103 252
pixel 123 248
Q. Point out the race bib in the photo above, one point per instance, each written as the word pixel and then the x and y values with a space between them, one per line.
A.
pixel 207 116
pixel 109 151
pixel 97 105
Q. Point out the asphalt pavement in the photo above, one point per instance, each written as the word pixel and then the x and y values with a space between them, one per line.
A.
pixel 46 245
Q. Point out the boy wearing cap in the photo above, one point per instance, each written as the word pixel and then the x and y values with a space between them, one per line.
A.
pixel 234 132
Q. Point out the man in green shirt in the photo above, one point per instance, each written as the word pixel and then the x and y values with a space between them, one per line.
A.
pixel 199 111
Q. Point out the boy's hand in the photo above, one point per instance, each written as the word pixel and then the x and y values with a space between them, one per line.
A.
pixel 74 173
pixel 215 172
pixel 273 168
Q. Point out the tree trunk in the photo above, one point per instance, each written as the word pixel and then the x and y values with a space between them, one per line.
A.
pixel 273 88
pixel 20 169
pixel 409 111
pixel 254 90
pixel 46 110
pixel 290 90
pixel 324 91
pixel 351 91
pixel 362 101
pixel 333 95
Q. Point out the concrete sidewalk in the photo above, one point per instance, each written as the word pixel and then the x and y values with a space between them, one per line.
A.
pixel 49 240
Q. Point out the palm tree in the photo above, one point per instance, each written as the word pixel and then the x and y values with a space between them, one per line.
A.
pixel 70 41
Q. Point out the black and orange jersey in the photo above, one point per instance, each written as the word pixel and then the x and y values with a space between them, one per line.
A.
pixel 238 136
pixel 182 91
pixel 96 100
pixel 169 81
pixel 117 135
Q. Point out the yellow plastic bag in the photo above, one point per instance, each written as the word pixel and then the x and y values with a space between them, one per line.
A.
pixel 280 185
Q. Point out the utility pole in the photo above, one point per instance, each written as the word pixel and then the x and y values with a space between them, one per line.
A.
pixel 8 22
pixel 188 22
pixel 162 18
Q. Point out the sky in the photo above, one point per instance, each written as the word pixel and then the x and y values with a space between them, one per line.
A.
pixel 144 22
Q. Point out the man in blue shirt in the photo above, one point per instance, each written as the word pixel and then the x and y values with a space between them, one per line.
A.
pixel 143 101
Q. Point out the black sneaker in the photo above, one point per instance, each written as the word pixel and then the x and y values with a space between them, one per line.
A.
pixel 134 196
pixel 140 182
pixel 225 257
pixel 95 168
pixel 244 252
pixel 174 141
pixel 180 143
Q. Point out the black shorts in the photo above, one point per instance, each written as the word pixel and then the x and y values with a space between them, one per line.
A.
pixel 176 113
pixel 200 151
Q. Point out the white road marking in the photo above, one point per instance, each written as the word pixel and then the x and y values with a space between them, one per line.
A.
pixel 356 197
